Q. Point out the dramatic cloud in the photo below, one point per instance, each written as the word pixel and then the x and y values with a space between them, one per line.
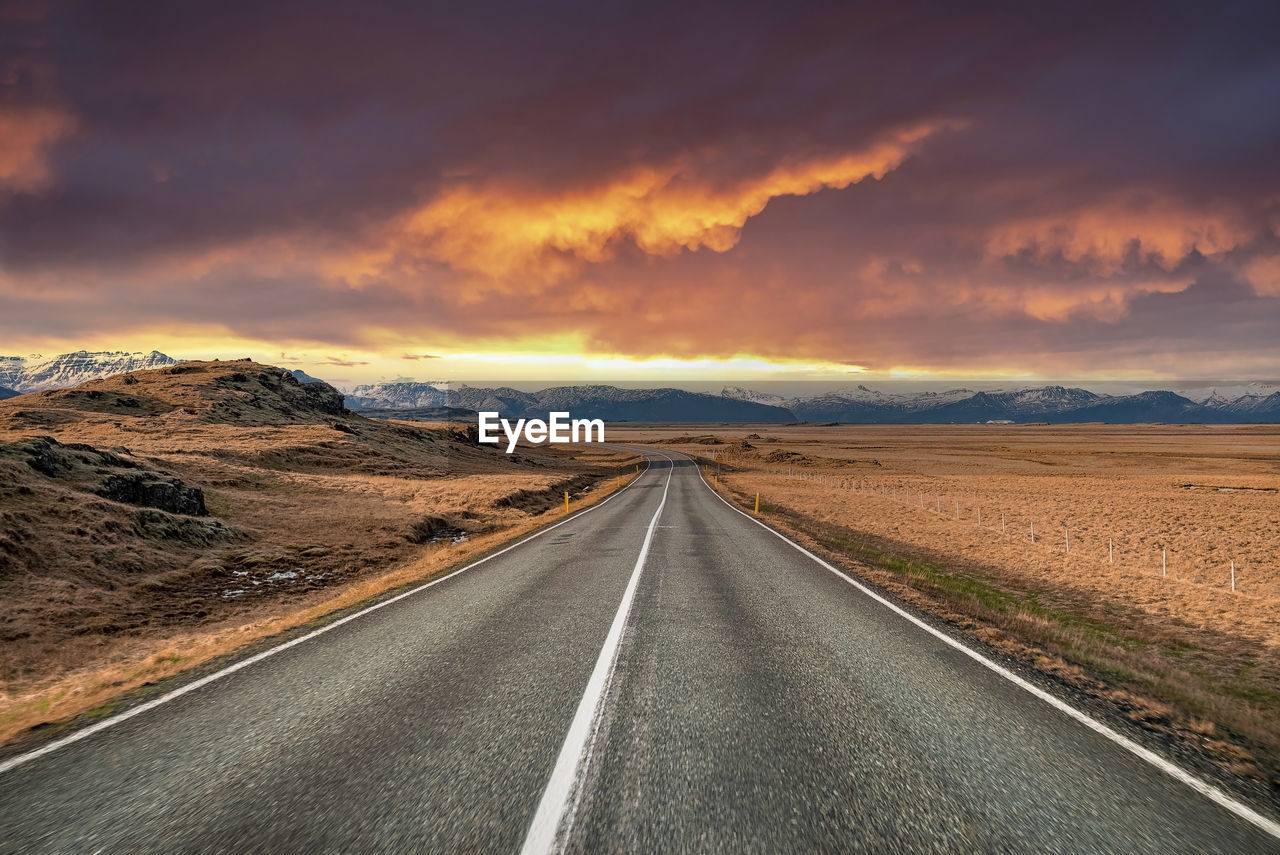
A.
pixel 1012 188
pixel 663 210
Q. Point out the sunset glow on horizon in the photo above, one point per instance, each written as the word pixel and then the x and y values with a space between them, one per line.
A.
pixel 601 192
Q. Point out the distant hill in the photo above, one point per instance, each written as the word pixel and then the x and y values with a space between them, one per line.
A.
pixel 7 393
pixel 1160 407
pixel 35 373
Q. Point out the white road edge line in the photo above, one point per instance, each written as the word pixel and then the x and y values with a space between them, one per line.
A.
pixel 554 809
pixel 1200 786
pixel 49 748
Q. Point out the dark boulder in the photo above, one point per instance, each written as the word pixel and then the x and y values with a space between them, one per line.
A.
pixel 151 490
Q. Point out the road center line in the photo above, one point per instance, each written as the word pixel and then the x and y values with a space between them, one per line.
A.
pixel 556 808
pixel 49 748
pixel 1206 789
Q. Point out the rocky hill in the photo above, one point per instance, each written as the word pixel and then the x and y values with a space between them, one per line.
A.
pixel 143 505
pixel 238 393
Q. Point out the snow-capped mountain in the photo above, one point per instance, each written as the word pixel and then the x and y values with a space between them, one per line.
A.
pixel 36 373
pixel 862 403
pixel 904 401
pixel 400 395
pixel 858 403
pixel 1252 405
pixel 1224 395
pixel 1046 399
pixel 737 393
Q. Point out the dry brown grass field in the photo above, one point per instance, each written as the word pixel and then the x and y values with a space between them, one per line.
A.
pixel 1177 644
pixel 108 584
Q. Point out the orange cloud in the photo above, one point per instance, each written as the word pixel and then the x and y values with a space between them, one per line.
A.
pixel 500 233
pixel 890 287
pixel 1102 301
pixel 1101 239
pixel 25 135
pixel 1263 274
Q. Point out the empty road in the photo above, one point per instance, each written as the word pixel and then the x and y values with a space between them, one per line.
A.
pixel 656 673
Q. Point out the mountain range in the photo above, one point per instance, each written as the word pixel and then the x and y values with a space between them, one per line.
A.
pixel 1215 404
pixel 36 373
pixel 1059 404
pixel 593 402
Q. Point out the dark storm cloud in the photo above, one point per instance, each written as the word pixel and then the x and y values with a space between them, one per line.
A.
pixel 884 184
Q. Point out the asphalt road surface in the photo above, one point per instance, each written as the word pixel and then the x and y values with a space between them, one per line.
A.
pixel 657 673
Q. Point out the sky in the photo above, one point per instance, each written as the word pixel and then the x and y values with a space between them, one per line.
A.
pixel 647 190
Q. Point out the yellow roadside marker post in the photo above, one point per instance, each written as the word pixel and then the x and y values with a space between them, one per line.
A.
pixel 757 504
pixel 566 501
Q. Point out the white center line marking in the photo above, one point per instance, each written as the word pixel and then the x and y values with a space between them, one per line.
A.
pixel 1203 787
pixel 555 810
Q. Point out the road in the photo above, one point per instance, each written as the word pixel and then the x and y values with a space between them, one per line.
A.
pixel 656 673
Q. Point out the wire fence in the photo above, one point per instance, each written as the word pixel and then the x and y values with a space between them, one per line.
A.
pixel 1074 540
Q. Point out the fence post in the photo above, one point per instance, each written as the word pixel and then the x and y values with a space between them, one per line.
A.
pixel 1067 534
pixel 957 510
pixel 1033 532
pixel 1002 528
pixel 979 516
pixel 1164 562
pixel 1111 556
pixel 1233 576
